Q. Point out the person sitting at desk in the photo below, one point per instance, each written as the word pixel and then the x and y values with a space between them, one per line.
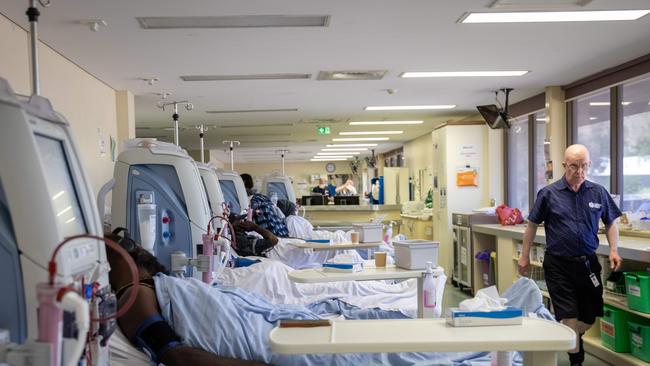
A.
pixel 322 187
pixel 346 189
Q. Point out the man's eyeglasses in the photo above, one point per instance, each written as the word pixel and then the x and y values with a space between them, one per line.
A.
pixel 575 167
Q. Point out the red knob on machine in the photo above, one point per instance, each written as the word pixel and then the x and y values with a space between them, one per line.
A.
pixel 165 220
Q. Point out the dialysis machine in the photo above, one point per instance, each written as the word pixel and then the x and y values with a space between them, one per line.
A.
pixel 212 188
pixel 45 197
pixel 280 185
pixel 158 196
pixel 234 191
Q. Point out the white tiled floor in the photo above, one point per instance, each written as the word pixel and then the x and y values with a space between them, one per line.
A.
pixel 453 296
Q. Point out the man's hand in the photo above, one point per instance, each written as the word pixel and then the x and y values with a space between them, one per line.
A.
pixel 615 261
pixel 524 264
pixel 245 225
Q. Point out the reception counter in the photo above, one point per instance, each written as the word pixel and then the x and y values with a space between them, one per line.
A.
pixel 338 215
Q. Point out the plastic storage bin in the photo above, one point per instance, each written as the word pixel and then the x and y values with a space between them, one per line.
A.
pixel 637 286
pixel 414 254
pixel 369 233
pixel 614 332
pixel 493 268
pixel 639 341
pixel 483 264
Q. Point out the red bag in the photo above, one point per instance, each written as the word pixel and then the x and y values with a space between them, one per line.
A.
pixel 509 216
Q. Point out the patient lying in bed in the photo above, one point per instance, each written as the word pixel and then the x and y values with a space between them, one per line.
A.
pixel 230 322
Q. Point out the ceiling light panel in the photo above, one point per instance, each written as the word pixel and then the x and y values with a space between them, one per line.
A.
pixel 554 16
pixel 331 157
pixel 350 145
pixel 362 139
pixel 352 75
pixel 409 107
pixel 370 123
pixel 338 153
pixel 259 125
pixel 327 159
pixel 371 133
pixel 450 74
pixel 234 21
pixel 244 77
pixel 347 149
pixel 254 110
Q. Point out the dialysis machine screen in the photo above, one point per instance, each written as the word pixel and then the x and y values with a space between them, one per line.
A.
pixel 230 195
pixel 67 211
pixel 279 188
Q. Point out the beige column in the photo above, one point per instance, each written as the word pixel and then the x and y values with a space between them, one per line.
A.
pixel 556 127
pixel 125 104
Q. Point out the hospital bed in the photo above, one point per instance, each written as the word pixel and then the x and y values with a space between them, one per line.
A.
pixel 369 273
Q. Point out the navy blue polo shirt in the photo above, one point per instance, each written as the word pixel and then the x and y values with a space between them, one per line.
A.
pixel 571 218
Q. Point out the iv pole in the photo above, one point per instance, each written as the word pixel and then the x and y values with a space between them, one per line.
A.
pixel 188 106
pixel 202 130
pixel 232 156
pixel 33 14
pixel 282 153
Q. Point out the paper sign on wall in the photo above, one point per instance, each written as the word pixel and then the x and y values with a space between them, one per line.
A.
pixel 467 177
pixel 468 153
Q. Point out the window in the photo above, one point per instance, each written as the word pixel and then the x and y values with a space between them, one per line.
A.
pixel 518 165
pixel 593 129
pixel 542 152
pixel 635 103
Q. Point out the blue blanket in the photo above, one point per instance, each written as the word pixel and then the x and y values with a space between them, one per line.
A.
pixel 234 323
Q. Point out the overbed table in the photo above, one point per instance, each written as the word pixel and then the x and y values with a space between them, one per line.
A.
pixel 538 339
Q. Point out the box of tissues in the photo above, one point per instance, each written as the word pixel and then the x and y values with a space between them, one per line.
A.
pixel 463 318
pixel 486 308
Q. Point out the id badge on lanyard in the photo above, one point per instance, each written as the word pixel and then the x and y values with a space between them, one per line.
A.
pixel 592 276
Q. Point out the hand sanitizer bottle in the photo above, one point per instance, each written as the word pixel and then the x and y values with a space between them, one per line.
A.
pixel 429 292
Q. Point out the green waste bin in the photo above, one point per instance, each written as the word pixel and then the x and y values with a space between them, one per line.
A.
pixel 614 332
pixel 639 341
pixel 637 285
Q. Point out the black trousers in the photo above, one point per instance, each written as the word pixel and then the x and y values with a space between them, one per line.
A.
pixel 572 291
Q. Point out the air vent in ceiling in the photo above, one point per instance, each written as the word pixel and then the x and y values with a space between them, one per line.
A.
pixel 537 4
pixel 234 21
pixel 262 125
pixel 244 77
pixel 352 75
pixel 265 141
pixel 261 135
pixel 255 110
pixel 324 121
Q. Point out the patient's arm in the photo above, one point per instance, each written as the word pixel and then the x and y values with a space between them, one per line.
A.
pixel 249 226
pixel 145 306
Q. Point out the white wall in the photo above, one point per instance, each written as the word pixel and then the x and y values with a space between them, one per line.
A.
pixel 88 104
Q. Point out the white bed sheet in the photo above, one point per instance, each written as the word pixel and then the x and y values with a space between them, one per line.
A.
pixel 270 279
pixel 124 354
pixel 300 258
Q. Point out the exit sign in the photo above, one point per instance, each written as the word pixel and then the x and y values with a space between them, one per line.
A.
pixel 323 130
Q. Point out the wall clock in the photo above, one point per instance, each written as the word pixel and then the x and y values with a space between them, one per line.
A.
pixel 330 167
